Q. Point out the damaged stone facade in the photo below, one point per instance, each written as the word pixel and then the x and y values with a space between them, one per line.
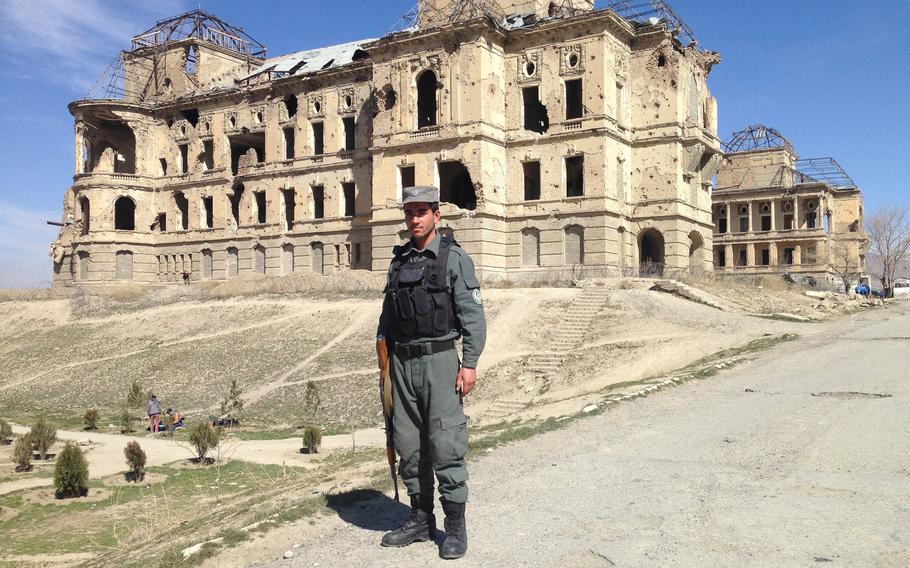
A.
pixel 571 142
pixel 774 213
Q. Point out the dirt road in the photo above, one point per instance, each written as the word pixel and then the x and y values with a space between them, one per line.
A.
pixel 799 459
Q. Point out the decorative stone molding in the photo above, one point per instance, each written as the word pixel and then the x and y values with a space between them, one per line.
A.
pixel 529 67
pixel 316 106
pixel 572 59
pixel 347 102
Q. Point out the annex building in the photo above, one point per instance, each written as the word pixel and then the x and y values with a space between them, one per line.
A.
pixel 565 140
pixel 775 213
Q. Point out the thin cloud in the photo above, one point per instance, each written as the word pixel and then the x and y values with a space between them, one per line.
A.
pixel 73 42
pixel 24 240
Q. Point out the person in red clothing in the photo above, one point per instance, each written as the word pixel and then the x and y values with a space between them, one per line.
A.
pixel 154 412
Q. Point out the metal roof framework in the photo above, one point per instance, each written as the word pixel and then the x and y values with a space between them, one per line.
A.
pixel 824 170
pixel 642 12
pixel 203 26
pixel 756 137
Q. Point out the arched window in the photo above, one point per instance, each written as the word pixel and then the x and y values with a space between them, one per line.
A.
pixel 259 259
pixel 287 259
pixel 124 214
pixel 317 255
pixel 206 264
pixel 692 114
pixel 530 247
pixel 427 105
pixel 124 265
pixel 232 262
pixel 575 245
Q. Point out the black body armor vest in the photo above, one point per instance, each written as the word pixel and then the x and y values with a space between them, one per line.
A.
pixel 420 295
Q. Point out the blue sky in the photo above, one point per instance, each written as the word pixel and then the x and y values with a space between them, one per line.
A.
pixel 833 76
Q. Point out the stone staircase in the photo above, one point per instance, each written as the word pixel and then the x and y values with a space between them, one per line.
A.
pixel 568 333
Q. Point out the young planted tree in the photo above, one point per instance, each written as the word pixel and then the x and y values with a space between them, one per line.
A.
pixel 42 436
pixel 71 473
pixel 311 402
pixel 135 459
pixel 90 419
pixel 889 236
pixel 312 439
pixel 845 262
pixel 6 433
pixel 135 396
pixel 232 404
pixel 204 437
pixel 126 418
pixel 22 454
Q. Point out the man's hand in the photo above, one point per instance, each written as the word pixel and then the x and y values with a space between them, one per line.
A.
pixel 465 380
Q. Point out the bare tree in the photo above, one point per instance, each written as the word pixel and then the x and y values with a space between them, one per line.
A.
pixel 845 262
pixel 889 234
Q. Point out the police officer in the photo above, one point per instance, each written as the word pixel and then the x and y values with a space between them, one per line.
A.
pixel 432 298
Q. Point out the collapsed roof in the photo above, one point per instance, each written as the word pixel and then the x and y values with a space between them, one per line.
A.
pixel 303 62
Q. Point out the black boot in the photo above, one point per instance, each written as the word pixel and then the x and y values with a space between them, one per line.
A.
pixel 456 543
pixel 420 526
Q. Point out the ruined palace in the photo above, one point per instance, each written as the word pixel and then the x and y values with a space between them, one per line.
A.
pixel 565 139
pixel 775 213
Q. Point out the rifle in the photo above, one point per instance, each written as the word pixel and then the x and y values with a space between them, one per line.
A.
pixel 385 395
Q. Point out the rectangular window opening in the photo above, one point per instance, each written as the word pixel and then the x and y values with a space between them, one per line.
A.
pixel 208 205
pixel 536 119
pixel 721 257
pixel 407 176
pixel 318 139
pixel 788 222
pixel 289 206
pixel 743 224
pixel 184 158
pixel 289 143
pixel 208 155
pixel 766 223
pixel 531 180
pixel 722 225
pixel 765 257
pixel 318 202
pixel 347 189
pixel 349 133
pixel 574 99
pixel 575 176
pixel 260 206
pixel 163 163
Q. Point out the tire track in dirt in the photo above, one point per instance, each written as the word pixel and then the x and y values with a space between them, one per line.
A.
pixel 365 317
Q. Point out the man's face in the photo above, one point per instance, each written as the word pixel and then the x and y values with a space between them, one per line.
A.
pixel 420 219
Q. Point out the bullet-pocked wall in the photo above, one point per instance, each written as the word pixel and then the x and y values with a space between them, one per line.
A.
pixel 574 144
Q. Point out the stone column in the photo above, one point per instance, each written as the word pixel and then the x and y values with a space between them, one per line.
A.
pixel 796 223
pixel 751 217
pixel 750 248
pixel 728 254
pixel 729 207
pixel 775 203
pixel 797 255
pixel 772 253
pixel 79 148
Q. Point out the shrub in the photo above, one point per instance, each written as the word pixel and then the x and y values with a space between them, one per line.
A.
pixel 135 459
pixel 135 397
pixel 312 439
pixel 71 473
pixel 6 433
pixel 126 418
pixel 43 436
pixel 233 402
pixel 22 454
pixel 204 437
pixel 90 419
pixel 311 402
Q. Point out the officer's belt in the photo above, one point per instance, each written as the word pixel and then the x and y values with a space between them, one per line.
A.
pixel 418 349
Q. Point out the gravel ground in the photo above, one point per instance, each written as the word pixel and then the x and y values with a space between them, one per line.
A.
pixel 798 459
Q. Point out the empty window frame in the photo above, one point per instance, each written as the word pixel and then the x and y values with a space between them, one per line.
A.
pixel 184 158
pixel 765 257
pixel 289 143
pixel 349 133
pixel 406 174
pixel 260 206
pixel 765 222
pixel 574 99
pixel 208 155
pixel 789 254
pixel 427 105
pixel 531 180
pixel 721 257
pixel 183 209
pixel 318 138
pixel 289 197
pixel 536 118
pixel 318 202
pixel 347 191
pixel 575 176
pixel 208 208
pixel 743 224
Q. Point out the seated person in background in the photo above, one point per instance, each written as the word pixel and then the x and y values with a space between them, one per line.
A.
pixel 178 419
